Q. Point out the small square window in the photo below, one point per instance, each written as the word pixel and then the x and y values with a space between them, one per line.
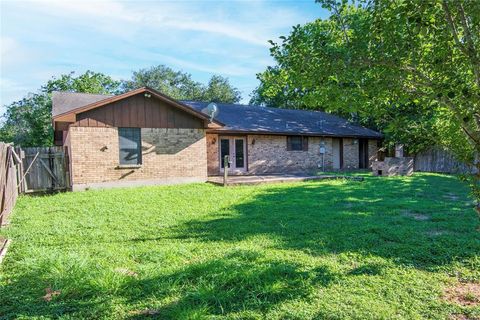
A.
pixel 297 143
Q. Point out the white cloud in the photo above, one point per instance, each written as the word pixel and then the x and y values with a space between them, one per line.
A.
pixel 120 17
pixel 228 70
pixel 93 9
pixel 12 53
pixel 222 29
pixel 41 39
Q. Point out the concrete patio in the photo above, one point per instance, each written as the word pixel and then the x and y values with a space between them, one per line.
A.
pixel 236 180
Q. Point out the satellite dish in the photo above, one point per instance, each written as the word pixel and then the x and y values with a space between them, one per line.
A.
pixel 211 110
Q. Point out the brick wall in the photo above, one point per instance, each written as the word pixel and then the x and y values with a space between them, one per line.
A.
pixel 350 153
pixel 68 146
pixel 372 151
pixel 166 154
pixel 212 154
pixel 268 154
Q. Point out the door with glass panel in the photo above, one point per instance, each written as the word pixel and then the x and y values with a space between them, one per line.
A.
pixel 236 149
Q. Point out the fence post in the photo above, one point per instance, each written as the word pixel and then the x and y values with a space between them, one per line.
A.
pixel 5 194
pixel 225 170
pixel 66 165
pixel 19 169
pixel 50 165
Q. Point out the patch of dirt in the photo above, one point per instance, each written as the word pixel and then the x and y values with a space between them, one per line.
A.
pixel 49 294
pixel 461 317
pixel 348 205
pixel 464 294
pixel 415 215
pixel 126 272
pixel 435 233
pixel 451 196
pixel 145 312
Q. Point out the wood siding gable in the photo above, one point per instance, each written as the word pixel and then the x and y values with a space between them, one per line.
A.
pixel 138 111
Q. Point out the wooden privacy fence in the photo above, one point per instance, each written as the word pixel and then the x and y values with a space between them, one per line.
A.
pixel 48 169
pixel 439 160
pixel 29 170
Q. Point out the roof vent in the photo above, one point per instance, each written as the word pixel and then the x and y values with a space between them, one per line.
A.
pixel 290 124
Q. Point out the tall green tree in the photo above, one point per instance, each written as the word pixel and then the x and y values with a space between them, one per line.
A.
pixel 389 59
pixel 28 122
pixel 180 85
pixel 314 71
pixel 176 84
pixel 219 89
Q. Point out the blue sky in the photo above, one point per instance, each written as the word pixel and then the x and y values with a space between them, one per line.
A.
pixel 41 39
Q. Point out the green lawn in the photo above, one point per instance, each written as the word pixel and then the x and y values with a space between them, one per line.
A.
pixel 382 248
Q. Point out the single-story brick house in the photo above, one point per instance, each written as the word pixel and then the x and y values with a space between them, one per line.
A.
pixel 144 137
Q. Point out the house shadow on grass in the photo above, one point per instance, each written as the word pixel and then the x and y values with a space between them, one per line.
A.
pixel 238 282
pixel 241 281
pixel 367 218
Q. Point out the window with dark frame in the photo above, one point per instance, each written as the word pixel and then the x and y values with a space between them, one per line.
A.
pixel 130 146
pixel 297 143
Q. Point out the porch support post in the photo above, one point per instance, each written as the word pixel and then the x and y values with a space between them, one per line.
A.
pixel 225 170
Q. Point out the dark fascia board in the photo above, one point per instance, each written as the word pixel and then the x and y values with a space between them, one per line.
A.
pixel 309 134
pixel 128 94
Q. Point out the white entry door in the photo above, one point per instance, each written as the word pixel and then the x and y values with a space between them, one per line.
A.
pixel 236 149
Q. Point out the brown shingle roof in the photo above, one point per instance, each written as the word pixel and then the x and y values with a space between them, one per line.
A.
pixel 63 102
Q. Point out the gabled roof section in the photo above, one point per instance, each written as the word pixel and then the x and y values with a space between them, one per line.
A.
pixel 263 120
pixel 232 118
pixel 63 102
pixel 69 103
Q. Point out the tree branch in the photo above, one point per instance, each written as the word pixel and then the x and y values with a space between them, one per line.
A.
pixel 452 27
pixel 342 23
pixel 472 52
pixel 469 52
pixel 472 135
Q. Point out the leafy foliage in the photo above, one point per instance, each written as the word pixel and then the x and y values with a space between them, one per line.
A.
pixel 28 122
pixel 175 84
pixel 319 67
pixel 219 89
pixel 410 68
pixel 89 82
pixel 179 85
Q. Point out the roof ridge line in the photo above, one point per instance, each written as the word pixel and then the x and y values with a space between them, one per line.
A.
pixel 265 107
pixel 89 93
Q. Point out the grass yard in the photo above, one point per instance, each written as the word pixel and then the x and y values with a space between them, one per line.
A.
pixel 385 248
